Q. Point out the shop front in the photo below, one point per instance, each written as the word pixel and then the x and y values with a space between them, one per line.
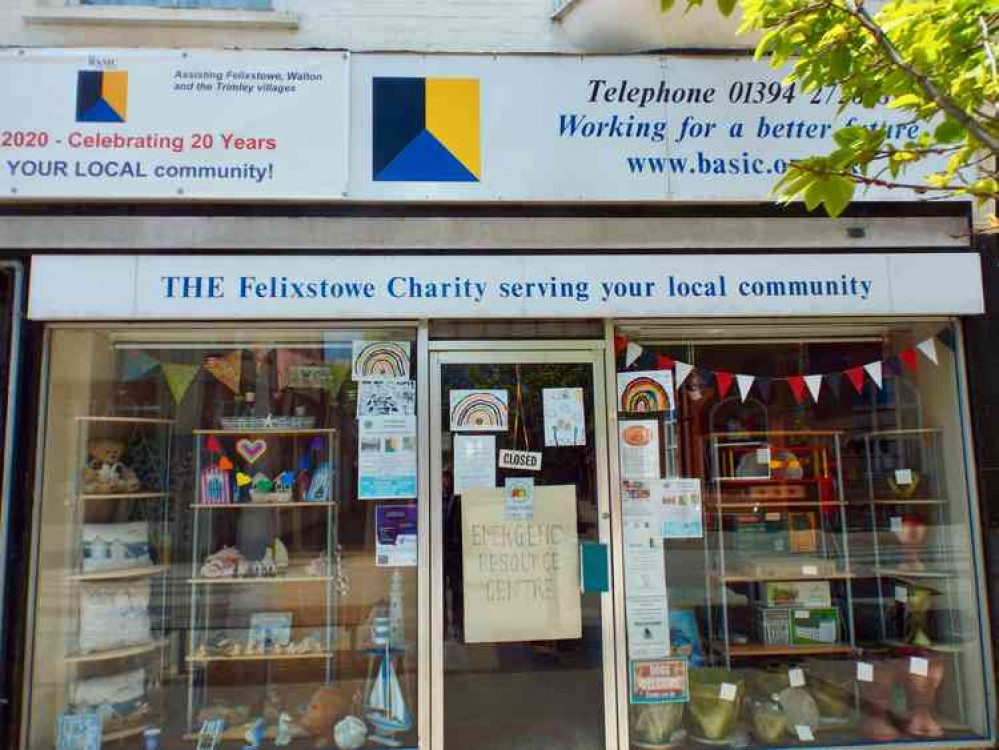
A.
pixel 599 500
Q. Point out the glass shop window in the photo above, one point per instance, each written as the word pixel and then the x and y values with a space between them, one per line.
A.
pixel 227 547
pixel 800 550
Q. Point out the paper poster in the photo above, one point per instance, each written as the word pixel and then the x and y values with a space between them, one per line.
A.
pixel 479 411
pixel 659 681
pixel 565 421
pixel 386 459
pixel 646 604
pixel 521 578
pixel 639 448
pixel 474 462
pixel 380 360
pixel 518 492
pixel 680 508
pixel 395 536
pixel 649 391
pixel 386 398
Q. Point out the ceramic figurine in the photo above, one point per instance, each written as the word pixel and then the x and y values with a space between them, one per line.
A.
pixel 921 695
pixel 350 733
pixel 283 730
pixel 911 535
pixel 255 734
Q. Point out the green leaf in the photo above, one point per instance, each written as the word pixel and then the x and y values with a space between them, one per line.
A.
pixel 666 5
pixel 726 6
pixel 949 131
pixel 837 194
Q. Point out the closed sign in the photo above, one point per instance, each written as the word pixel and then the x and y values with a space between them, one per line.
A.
pixel 529 460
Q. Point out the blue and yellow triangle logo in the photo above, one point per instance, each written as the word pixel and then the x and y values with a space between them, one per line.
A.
pixel 102 96
pixel 426 130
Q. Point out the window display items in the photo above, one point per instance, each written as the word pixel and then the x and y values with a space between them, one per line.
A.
pixel 105 472
pixel 120 700
pixel 329 705
pixel 716 698
pixel 657 726
pixel 115 546
pixel 350 733
pixel 380 360
pixel 81 731
pixel 385 707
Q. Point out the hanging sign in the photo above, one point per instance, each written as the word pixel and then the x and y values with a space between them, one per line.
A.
pixel 526 460
pixel 521 576
pixel 173 124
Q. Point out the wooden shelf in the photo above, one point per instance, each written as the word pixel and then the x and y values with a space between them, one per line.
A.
pixel 749 481
pixel 799 577
pixel 752 435
pixel 938 648
pixel 748 650
pixel 126 496
pixel 244 506
pixel 235 734
pixel 111 575
pixel 271 431
pixel 297 576
pixel 260 657
pixel 904 573
pixel 127 420
pixel 902 433
pixel 900 501
pixel 116 653
pixel 778 504
pixel 123 733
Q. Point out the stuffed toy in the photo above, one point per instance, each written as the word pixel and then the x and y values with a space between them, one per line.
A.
pixel 105 473
pixel 328 705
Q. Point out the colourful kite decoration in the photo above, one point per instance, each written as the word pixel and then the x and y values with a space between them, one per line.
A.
pixel 381 360
pixel 479 411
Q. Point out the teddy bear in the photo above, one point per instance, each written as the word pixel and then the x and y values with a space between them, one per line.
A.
pixel 105 473
pixel 329 704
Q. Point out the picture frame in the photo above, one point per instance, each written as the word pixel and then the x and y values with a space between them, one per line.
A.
pixel 268 629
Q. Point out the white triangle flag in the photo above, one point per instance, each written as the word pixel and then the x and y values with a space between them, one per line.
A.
pixel 682 371
pixel 929 348
pixel 814 383
pixel 874 370
pixel 745 383
pixel 633 352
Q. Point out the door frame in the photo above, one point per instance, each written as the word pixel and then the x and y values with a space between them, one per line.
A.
pixel 594 353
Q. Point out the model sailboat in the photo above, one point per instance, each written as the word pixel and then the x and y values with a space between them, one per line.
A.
pixel 385 707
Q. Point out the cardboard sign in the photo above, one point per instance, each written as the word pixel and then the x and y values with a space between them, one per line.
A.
pixel 521 577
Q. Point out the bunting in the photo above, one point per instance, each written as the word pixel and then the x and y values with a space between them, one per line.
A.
pixel 179 378
pixel 227 369
pixel 801 386
pixel 136 365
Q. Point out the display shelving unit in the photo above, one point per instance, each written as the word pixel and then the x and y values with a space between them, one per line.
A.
pixel 154 653
pixel 290 444
pixel 907 498
pixel 817 490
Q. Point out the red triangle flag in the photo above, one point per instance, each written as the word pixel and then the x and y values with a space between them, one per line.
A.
pixel 797 383
pixel 856 376
pixel 620 344
pixel 908 358
pixel 724 383
pixel 663 362
pixel 212 444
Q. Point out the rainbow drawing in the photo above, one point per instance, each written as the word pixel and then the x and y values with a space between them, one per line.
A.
pixel 645 392
pixel 479 411
pixel 381 360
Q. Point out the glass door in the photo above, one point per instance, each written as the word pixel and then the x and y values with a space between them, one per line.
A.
pixel 521 617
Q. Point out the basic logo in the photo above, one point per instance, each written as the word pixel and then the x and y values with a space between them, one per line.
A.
pixel 426 130
pixel 101 96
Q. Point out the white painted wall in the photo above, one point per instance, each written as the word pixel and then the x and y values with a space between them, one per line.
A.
pixel 501 26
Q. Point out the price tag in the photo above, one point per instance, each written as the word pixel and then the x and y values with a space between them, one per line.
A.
pixel 809 570
pixel 804 733
pixel 901 594
pixel 919 666
pixel 801 614
pixel 772 516
pixel 763 456
pixel 895 524
pixel 903 476
pixel 865 671
pixel 797 677
pixel 728 691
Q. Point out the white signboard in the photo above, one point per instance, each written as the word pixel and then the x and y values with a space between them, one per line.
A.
pixel 95 124
pixel 79 287
pixel 633 128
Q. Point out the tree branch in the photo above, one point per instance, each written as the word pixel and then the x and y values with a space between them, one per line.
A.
pixel 876 182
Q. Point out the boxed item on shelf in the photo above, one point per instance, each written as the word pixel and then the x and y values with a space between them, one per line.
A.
pixel 773 626
pixel 788 566
pixel 758 533
pixel 797 594
pixel 814 626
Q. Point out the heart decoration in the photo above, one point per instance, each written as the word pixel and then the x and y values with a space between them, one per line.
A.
pixel 251 450
pixel 242 479
pixel 225 464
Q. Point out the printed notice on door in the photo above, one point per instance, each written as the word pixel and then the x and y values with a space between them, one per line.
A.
pixel 521 577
